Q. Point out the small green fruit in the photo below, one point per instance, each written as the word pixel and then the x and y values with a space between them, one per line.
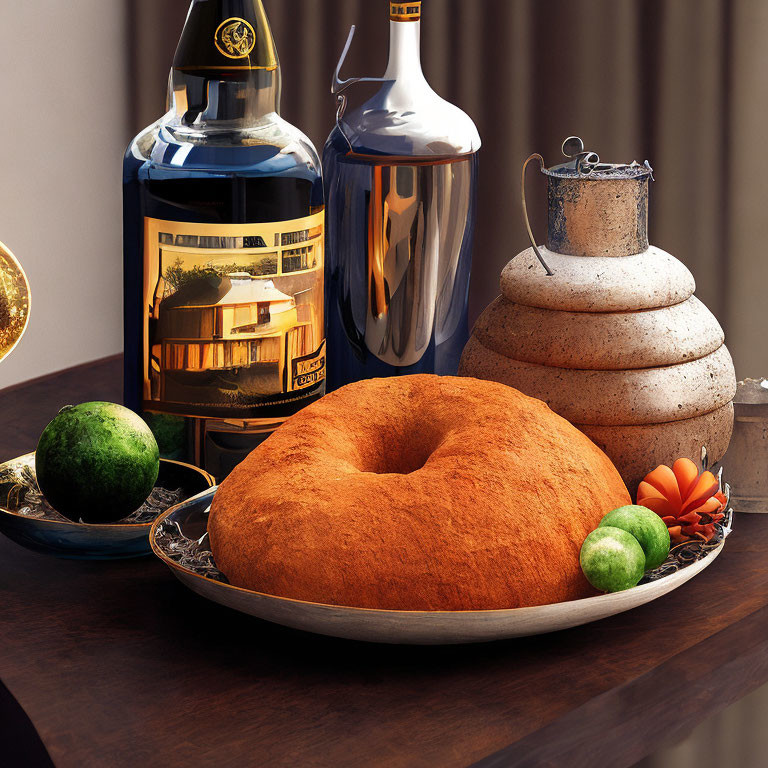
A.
pixel 647 527
pixel 170 433
pixel 96 461
pixel 612 559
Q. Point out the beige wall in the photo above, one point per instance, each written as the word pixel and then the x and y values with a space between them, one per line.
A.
pixel 62 134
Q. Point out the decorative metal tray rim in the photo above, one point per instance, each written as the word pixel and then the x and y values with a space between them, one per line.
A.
pixel 24 460
pixel 648 583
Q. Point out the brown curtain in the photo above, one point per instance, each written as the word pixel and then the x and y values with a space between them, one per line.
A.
pixel 678 82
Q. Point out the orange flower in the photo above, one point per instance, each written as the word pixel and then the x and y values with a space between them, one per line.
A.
pixel 690 504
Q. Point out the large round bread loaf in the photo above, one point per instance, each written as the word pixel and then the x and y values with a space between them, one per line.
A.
pixel 416 493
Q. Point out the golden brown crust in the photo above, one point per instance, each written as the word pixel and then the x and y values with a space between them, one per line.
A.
pixel 499 494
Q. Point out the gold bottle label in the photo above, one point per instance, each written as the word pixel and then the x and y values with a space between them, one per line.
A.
pixel 233 315
pixel 235 38
pixel 403 11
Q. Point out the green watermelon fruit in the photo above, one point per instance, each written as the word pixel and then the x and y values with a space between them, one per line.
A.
pixel 612 559
pixel 97 462
pixel 647 527
pixel 170 433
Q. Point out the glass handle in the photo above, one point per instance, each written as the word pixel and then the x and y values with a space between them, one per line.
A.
pixel 534 156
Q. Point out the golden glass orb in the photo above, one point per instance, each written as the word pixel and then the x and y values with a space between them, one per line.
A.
pixel 15 299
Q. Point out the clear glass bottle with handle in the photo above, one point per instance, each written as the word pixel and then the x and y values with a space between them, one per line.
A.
pixel 224 248
pixel 400 181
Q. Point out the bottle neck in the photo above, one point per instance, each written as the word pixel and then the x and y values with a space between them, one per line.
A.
pixel 404 51
pixel 226 68
pixel 209 98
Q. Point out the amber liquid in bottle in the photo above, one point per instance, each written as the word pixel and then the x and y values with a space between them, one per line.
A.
pixel 224 249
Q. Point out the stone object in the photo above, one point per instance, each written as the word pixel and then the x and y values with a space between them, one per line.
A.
pixel 613 339
pixel 634 396
pixel 745 466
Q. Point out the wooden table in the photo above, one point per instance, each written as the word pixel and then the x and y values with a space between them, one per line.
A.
pixel 117 664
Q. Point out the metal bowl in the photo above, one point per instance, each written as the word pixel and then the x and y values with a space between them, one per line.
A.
pixel 186 524
pixel 83 541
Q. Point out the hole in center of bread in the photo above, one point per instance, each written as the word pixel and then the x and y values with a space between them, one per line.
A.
pixel 401 454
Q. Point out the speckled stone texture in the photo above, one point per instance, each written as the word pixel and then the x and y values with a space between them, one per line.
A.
pixel 646 280
pixel 416 493
pixel 600 340
pixel 617 345
pixel 641 396
pixel 635 448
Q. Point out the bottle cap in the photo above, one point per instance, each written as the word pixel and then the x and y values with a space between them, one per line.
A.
pixel 404 11
pixel 212 40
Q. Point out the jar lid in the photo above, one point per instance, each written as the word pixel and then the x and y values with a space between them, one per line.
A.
pixel 583 164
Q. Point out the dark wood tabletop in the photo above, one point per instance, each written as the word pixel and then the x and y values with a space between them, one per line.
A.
pixel 117 664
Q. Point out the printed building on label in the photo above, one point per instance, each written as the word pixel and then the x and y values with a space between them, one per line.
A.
pixel 238 307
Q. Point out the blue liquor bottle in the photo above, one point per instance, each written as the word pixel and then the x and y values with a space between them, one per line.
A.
pixel 224 248
pixel 400 185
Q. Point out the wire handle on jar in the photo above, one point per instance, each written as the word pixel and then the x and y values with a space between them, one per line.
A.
pixel 534 156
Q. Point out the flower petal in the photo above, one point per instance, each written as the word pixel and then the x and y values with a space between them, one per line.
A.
pixel 660 505
pixel 663 480
pixel 706 486
pixel 709 507
pixel 703 532
pixel 687 473
pixel 723 499
pixel 676 534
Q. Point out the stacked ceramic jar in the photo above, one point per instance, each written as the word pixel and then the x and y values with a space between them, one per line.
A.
pixel 614 339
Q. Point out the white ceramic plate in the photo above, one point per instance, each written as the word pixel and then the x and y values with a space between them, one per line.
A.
pixel 406 627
